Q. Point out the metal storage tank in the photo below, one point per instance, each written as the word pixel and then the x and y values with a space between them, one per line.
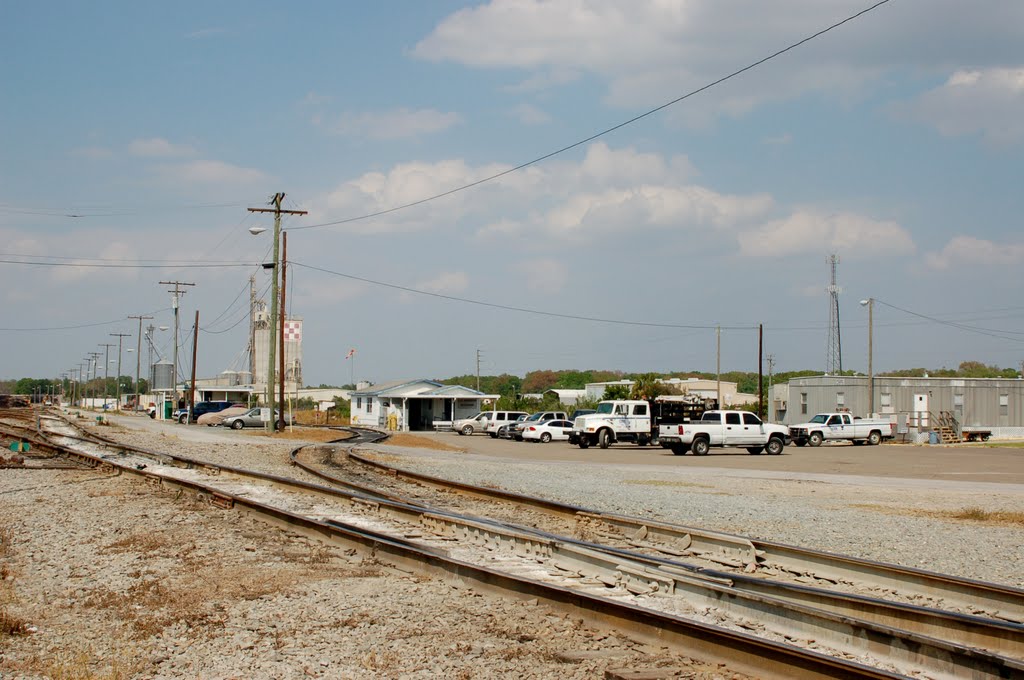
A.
pixel 163 376
pixel 244 378
pixel 229 378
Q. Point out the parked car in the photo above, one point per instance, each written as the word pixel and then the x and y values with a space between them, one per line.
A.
pixel 483 420
pixel 182 415
pixel 507 430
pixel 213 419
pixel 538 417
pixel 581 412
pixel 547 430
pixel 256 417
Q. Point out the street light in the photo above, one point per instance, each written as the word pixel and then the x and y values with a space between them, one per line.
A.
pixel 275 272
pixel 870 304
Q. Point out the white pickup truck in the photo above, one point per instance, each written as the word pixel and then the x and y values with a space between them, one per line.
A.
pixel 841 427
pixel 614 421
pixel 724 428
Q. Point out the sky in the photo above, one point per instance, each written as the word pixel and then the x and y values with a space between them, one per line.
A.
pixel 134 136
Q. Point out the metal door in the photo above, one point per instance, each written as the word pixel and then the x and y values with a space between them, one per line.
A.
pixel 921 410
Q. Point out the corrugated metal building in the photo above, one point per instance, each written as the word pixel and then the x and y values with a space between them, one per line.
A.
pixel 995 404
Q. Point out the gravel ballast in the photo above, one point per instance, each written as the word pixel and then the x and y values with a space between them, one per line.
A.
pixel 113 581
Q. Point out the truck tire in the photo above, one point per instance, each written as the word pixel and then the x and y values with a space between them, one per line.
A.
pixel 774 446
pixel 815 439
pixel 858 442
pixel 701 446
pixel 755 450
pixel 494 435
pixel 875 438
pixel 584 441
pixel 604 440
pixel 642 440
pixel 680 450
pixel 800 442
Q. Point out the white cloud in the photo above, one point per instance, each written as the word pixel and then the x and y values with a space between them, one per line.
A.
pixel 159 147
pixel 968 250
pixel 396 124
pixel 445 283
pixel 807 231
pixel 649 51
pixel 527 114
pixel 210 172
pixel 543 275
pixel 986 102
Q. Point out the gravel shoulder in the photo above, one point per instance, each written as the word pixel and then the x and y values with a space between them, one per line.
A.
pixel 120 583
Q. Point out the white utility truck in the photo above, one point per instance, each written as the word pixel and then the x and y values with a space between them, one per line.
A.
pixel 841 427
pixel 614 421
pixel 724 428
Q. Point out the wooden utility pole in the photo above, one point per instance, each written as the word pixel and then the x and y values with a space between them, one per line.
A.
pixel 120 337
pixel 284 293
pixel 718 362
pixel 760 370
pixel 106 369
pixel 177 292
pixel 138 361
pixel 276 202
pixel 192 383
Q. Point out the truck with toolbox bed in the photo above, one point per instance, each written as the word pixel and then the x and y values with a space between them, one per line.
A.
pixel 635 420
pixel 841 427
pixel 721 429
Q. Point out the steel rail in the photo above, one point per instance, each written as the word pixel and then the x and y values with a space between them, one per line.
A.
pixel 904 649
pixel 1000 637
pixel 993 600
pixel 741 651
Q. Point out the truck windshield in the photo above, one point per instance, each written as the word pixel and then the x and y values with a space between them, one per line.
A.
pixel 605 407
pixel 819 419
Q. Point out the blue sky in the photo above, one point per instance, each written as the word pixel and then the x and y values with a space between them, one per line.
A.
pixel 894 141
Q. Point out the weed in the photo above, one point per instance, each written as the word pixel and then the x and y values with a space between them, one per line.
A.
pixel 969 514
pixel 666 482
pixel 11 625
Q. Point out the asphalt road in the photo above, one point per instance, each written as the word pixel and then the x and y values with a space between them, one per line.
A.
pixel 962 463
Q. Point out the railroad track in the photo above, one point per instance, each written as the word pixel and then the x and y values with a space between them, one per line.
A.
pixel 700 610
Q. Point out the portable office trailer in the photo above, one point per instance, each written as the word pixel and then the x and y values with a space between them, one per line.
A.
pixel 996 404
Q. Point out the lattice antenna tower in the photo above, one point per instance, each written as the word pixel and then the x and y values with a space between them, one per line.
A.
pixel 834 349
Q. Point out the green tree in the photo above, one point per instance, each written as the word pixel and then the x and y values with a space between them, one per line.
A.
pixel 647 386
pixel 616 392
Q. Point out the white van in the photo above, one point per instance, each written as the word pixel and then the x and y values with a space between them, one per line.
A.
pixel 486 421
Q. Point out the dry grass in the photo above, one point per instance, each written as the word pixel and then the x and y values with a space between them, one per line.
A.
pixel 416 441
pixel 667 483
pixel 969 514
pixel 83 664
pixel 9 624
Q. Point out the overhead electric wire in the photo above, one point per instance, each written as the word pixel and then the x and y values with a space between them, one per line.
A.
pixel 84 325
pixel 70 212
pixel 596 135
pixel 524 310
pixel 993 333
pixel 109 265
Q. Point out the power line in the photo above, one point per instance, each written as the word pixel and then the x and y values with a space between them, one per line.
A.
pixel 992 333
pixel 107 265
pixel 509 308
pixel 602 133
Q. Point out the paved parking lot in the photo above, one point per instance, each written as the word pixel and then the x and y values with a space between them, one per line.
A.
pixel 964 463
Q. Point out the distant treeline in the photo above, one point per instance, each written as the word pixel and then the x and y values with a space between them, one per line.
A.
pixel 538 381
